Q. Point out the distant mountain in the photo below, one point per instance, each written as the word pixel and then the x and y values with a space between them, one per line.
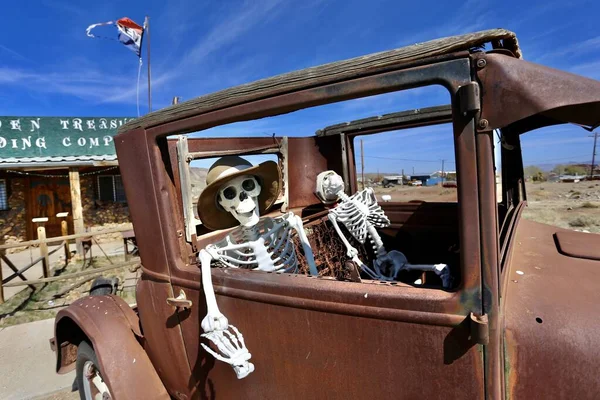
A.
pixel 198 178
pixel 547 167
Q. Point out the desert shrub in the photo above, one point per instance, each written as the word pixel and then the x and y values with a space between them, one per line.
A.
pixel 588 204
pixel 582 221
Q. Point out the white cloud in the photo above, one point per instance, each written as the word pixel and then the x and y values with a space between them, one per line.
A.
pixel 547 142
pixel 106 87
pixel 588 46
pixel 590 69
pixel 85 84
pixel 228 29
pixel 13 53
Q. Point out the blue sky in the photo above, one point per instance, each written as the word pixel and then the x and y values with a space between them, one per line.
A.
pixel 49 67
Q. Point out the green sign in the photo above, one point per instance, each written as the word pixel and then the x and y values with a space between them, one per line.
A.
pixel 57 136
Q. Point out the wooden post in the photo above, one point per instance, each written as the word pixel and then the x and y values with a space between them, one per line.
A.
pixel 76 205
pixel 126 248
pixel 1 287
pixel 41 235
pixel 64 231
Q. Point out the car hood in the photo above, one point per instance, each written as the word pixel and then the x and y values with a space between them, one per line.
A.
pixel 552 317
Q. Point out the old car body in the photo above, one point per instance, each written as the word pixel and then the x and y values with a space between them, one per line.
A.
pixel 326 338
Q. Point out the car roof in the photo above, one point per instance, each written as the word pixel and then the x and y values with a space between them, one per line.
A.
pixel 325 74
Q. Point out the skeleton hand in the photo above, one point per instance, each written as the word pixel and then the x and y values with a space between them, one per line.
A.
pixel 352 252
pixel 233 348
pixel 443 272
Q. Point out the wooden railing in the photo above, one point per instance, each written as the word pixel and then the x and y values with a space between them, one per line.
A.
pixel 44 258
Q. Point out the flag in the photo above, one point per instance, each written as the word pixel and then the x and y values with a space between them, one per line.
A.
pixel 130 33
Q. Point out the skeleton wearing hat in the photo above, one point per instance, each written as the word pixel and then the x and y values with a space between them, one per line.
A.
pixel 361 215
pixel 237 193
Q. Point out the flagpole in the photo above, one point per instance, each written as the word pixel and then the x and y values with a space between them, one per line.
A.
pixel 147 33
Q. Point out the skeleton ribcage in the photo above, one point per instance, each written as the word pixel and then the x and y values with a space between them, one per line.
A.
pixel 266 246
pixel 355 220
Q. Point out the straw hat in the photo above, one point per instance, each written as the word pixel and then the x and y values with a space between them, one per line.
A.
pixel 211 213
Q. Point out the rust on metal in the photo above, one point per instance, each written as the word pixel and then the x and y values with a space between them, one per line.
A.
pixel 125 365
pixel 325 74
pixel 480 328
pixel 552 316
pixel 528 94
pixel 490 332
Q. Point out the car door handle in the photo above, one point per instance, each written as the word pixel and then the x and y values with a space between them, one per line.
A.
pixel 180 301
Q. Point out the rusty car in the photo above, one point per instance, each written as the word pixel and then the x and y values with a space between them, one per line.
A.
pixel 519 321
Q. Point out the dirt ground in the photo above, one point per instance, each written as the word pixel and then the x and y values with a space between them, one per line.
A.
pixel 566 205
pixel 49 298
pixel 66 394
pixel 425 193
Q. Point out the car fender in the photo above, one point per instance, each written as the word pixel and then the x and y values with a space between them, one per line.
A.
pixel 113 329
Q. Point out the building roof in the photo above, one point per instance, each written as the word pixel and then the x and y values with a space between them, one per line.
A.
pixel 70 160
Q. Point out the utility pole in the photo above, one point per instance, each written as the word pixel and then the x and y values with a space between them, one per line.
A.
pixel 362 164
pixel 402 179
pixel 413 171
pixel 443 172
pixel 595 136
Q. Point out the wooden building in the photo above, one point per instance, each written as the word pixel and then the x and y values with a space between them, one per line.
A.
pixel 50 165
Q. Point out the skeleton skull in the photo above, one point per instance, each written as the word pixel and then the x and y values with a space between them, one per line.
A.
pixel 239 196
pixel 329 185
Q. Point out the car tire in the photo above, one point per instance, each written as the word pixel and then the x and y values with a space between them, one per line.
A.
pixel 103 286
pixel 86 363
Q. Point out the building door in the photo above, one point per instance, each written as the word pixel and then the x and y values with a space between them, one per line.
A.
pixel 48 197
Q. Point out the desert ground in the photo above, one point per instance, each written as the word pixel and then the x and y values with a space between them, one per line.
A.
pixel 425 193
pixel 566 205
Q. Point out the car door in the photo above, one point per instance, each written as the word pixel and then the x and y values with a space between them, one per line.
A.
pixel 322 338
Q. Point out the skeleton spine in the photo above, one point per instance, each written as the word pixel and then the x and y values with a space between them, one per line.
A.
pixel 247 234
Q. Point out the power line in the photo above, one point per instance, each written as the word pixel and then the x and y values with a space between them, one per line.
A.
pixel 407 159
pixel 561 158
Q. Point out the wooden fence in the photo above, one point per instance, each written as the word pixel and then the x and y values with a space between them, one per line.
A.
pixel 44 258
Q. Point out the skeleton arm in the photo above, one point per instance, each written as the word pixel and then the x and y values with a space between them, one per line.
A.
pixel 296 223
pixel 230 344
pixel 214 320
pixel 352 252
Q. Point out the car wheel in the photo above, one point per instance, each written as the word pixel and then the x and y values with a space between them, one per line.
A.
pixel 89 377
pixel 103 286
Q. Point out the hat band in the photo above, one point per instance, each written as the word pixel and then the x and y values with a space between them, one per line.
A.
pixel 232 170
